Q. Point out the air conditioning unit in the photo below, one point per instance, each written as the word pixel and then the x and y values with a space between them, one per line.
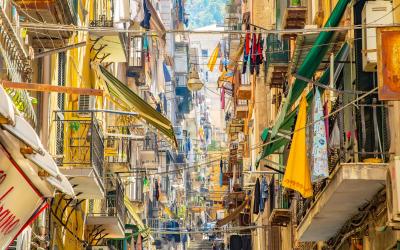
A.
pixel 374 12
pixel 85 103
pixel 393 190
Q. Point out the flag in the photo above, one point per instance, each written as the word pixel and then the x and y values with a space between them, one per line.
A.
pixel 167 75
pixel 213 58
pixel 297 173
pixel 320 148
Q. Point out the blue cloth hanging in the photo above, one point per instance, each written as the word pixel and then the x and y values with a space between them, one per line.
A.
pixel 147 15
pixel 264 193
pixel 167 76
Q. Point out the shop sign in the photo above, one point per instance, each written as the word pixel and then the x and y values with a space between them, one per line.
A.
pixel 388 50
pixel 20 203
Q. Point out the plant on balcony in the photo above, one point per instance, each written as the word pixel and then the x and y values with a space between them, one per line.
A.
pixel 74 126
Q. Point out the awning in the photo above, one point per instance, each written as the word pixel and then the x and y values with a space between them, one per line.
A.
pixel 232 215
pixel 320 47
pixel 289 119
pixel 133 211
pixel 24 146
pixel 108 48
pixel 134 102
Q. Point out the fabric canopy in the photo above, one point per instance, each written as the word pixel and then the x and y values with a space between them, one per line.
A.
pixel 232 215
pixel 289 120
pixel 136 218
pixel 132 101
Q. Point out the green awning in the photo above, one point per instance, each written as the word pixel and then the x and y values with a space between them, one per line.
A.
pixel 289 120
pixel 134 102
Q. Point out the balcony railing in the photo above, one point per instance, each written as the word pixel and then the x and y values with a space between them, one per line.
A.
pixel 277 49
pixel 113 204
pixel 372 138
pixel 79 141
pixel 118 148
pixel 295 15
pixel 103 14
pixel 150 142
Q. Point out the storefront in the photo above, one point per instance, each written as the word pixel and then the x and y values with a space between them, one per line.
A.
pixel 28 174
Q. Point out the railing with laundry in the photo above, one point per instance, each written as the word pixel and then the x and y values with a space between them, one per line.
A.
pixel 358 135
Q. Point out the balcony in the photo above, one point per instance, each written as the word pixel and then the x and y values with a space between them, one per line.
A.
pixel 79 152
pixel 108 215
pixel 244 92
pixel 277 60
pixel 279 202
pixel 14 53
pixel 150 147
pixel 63 12
pixel 107 46
pixel 241 109
pixel 295 15
pixel 118 149
pixel 354 177
pixel 351 185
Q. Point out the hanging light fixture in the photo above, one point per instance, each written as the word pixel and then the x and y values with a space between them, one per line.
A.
pixel 194 83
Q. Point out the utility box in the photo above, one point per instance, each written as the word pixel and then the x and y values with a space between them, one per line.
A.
pixel 374 13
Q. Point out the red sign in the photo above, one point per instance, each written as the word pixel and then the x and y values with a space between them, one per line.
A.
pixel 388 48
pixel 20 202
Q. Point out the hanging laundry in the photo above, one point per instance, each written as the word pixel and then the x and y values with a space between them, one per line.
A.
pixel 145 185
pixel 145 23
pixel 246 53
pixel 326 120
pixel 213 58
pixel 156 190
pixel 335 136
pixel 256 205
pixel 264 193
pixel 137 10
pixel 167 75
pixel 222 98
pixel 221 175
pixel 320 148
pixel 256 57
pixel 297 172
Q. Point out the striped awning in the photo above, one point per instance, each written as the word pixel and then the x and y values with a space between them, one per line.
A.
pixel 133 102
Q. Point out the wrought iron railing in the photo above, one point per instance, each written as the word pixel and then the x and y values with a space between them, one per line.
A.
pixel 150 142
pixel 79 140
pixel 103 14
pixel 371 135
pixel 118 145
pixel 277 50
pixel 113 204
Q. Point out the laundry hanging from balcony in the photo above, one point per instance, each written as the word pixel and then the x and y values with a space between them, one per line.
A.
pixel 297 172
pixel 319 146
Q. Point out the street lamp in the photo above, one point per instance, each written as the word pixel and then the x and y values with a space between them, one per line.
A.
pixel 194 83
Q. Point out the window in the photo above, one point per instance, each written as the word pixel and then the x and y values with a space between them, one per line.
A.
pixel 204 53
pixel 136 51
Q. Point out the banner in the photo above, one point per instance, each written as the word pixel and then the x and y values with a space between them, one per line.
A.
pixel 20 202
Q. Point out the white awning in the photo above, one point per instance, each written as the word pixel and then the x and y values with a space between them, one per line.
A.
pixel 23 144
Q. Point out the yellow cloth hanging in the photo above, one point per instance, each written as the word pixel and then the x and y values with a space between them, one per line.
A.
pixel 213 58
pixel 297 174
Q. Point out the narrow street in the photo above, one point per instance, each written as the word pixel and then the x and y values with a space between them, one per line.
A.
pixel 199 125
